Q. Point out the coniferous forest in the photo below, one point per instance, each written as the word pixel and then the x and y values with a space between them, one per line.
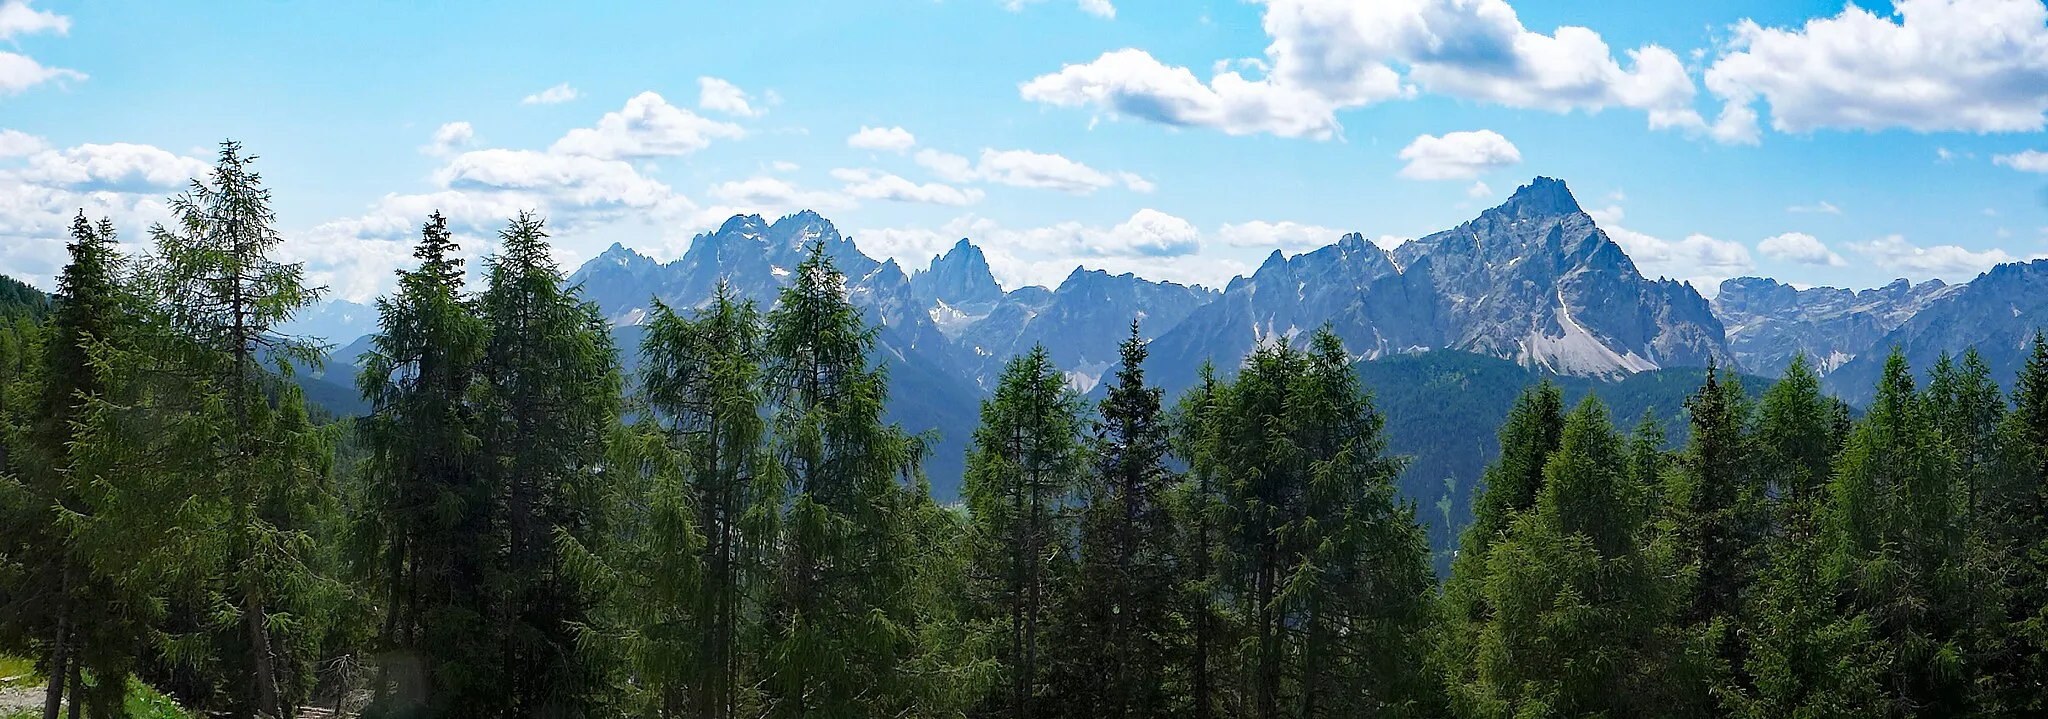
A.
pixel 518 528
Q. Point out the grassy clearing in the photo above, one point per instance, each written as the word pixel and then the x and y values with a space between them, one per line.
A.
pixel 143 702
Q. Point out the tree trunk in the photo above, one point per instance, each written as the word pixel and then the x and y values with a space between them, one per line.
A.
pixel 77 690
pixel 255 618
pixel 60 656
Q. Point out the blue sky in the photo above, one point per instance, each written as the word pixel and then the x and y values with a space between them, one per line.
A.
pixel 1181 139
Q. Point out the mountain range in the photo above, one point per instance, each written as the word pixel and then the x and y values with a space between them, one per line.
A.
pixel 1533 282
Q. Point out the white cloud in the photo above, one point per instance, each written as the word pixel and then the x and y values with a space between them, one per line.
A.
pixel 40 196
pixel 15 143
pixel 1894 253
pixel 1822 206
pixel 876 185
pixel 114 167
pixel 1153 244
pixel 891 139
pixel 1964 65
pixel 1478 190
pixel 1131 83
pixel 1699 259
pixel 1099 8
pixel 1024 168
pixel 647 127
pixel 784 166
pixel 1799 247
pixel 718 95
pixel 552 96
pixel 1287 235
pixel 20 72
pixel 1136 182
pixel 1328 55
pixel 1458 155
pixel 2027 161
pixel 449 138
pixel 770 195
pixel 17 18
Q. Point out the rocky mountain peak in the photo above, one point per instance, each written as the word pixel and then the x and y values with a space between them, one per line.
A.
pixel 1542 197
pixel 959 277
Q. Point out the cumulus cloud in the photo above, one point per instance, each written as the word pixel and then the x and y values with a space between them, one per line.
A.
pixel 584 182
pixel 20 72
pixel 773 195
pixel 1458 155
pixel 2026 161
pixel 15 143
pixel 877 185
pixel 115 167
pixel 43 188
pixel 647 127
pixel 1286 235
pixel 1702 260
pixel 718 95
pixel 1136 182
pixel 1799 247
pixel 1894 253
pixel 1942 65
pixel 552 96
pixel 449 138
pixel 890 139
pixel 1478 190
pixel 1329 55
pixel 1024 168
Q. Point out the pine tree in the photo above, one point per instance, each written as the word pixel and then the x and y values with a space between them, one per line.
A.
pixel 551 391
pixel 429 524
pixel 839 620
pixel 1021 473
pixel 1800 660
pixel 1117 642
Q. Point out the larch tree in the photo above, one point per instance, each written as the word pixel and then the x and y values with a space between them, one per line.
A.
pixel 1021 474
pixel 550 399
pixel 220 294
pixel 838 623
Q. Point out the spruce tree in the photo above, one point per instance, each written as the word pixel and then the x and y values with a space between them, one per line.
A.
pixel 1117 641
pixel 1711 532
pixel 839 623
pixel 1021 474
pixel 1199 511
pixel 1329 570
pixel 429 523
pixel 550 388
pixel 2016 507
pixel 57 603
